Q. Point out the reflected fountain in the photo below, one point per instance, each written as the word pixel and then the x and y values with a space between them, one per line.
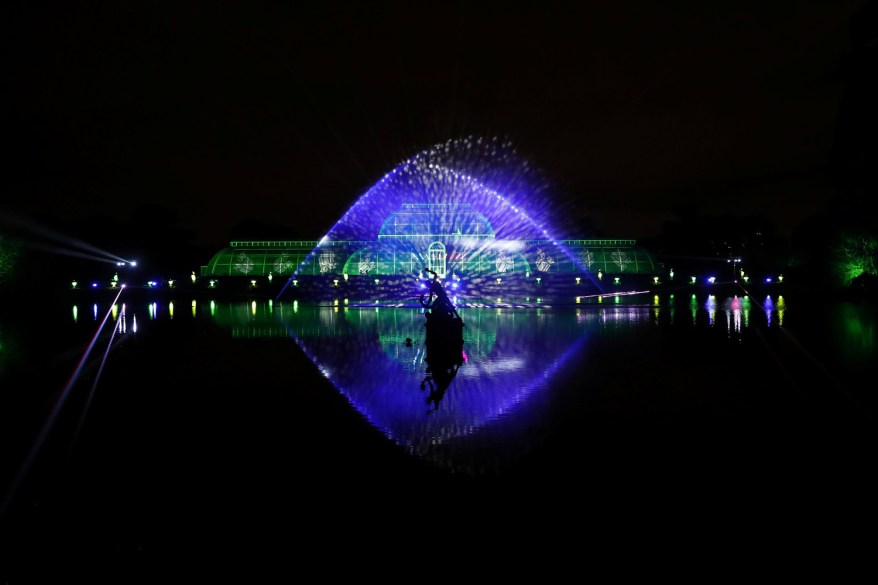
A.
pixel 484 419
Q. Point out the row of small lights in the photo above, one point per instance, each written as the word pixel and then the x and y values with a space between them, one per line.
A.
pixel 253 282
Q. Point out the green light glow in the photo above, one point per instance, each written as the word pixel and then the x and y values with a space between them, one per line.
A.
pixel 856 334
pixel 8 257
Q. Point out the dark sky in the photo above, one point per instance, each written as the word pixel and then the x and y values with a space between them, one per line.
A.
pixel 287 112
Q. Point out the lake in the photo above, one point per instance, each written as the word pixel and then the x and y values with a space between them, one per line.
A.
pixel 155 424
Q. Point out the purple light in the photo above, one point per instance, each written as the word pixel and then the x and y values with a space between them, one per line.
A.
pixel 486 174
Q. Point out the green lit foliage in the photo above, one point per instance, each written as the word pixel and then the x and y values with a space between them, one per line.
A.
pixel 8 257
pixel 857 254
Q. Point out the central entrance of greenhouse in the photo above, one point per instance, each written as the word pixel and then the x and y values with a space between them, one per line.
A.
pixel 436 258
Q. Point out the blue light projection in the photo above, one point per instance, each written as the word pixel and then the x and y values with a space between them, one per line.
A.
pixel 462 208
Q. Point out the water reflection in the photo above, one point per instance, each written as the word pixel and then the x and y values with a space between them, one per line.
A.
pixel 477 415
pixel 485 412
pixel 855 328
pixel 446 413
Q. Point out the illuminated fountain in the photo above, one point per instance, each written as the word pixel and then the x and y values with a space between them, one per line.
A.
pixel 480 218
pixel 470 210
pixel 466 209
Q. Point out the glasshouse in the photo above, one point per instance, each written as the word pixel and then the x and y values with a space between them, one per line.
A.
pixel 451 240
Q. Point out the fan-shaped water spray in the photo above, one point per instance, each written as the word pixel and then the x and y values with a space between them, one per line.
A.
pixel 464 208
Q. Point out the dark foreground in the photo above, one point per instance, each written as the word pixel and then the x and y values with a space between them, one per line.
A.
pixel 212 464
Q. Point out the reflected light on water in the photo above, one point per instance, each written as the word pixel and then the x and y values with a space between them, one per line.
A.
pixel 492 405
pixel 768 307
pixel 710 305
pixel 859 334
pixel 733 315
pixel 517 366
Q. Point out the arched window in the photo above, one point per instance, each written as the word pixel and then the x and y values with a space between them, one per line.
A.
pixel 436 256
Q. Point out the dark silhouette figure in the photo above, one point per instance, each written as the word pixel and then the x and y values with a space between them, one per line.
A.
pixel 441 369
pixel 444 341
pixel 436 300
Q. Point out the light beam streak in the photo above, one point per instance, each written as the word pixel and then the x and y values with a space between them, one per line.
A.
pixel 53 416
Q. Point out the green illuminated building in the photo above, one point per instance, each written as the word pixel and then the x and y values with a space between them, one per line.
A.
pixel 454 240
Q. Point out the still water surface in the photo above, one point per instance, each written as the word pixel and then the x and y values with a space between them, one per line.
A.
pixel 204 392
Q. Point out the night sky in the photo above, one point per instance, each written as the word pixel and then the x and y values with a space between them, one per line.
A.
pixel 285 113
